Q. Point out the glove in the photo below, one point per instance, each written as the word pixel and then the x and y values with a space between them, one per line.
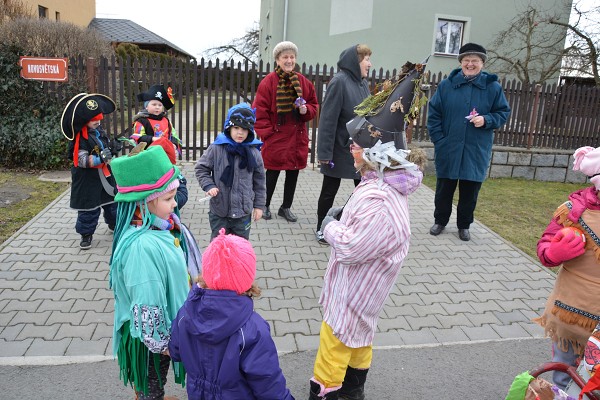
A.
pixel 564 247
pixel 115 147
pixel 105 156
pixel 335 212
pixel 326 220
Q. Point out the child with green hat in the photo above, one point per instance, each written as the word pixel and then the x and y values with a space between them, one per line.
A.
pixel 148 271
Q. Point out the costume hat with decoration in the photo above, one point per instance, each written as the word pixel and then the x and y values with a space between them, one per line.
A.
pixel 81 109
pixel 385 115
pixel 158 92
pixel 380 127
pixel 144 174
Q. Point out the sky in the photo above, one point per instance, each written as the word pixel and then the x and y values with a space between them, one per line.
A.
pixel 193 25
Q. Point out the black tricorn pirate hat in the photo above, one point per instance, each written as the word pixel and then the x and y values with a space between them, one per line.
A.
pixel 382 116
pixel 157 92
pixel 81 109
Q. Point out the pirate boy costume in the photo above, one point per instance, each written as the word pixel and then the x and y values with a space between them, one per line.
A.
pixel 93 186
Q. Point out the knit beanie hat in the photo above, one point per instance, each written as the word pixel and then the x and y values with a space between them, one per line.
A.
pixel 241 115
pixel 144 174
pixel 587 160
pixel 229 263
pixel 167 146
pixel 284 46
pixel 472 49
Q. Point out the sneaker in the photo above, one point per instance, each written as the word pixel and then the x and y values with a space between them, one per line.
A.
pixel 320 238
pixel 86 242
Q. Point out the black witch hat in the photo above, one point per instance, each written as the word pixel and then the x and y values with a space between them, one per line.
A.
pixel 158 92
pixel 385 115
pixel 81 109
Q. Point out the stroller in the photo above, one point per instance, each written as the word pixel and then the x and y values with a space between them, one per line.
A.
pixel 584 385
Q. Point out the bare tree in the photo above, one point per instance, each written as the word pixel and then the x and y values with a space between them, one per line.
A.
pixel 583 41
pixel 13 9
pixel 530 48
pixel 245 47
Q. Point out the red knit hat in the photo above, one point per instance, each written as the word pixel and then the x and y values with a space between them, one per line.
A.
pixel 229 263
pixel 167 146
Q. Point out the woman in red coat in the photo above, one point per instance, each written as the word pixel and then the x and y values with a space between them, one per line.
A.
pixel 285 101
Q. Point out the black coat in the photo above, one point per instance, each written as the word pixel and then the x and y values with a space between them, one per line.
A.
pixel 87 191
pixel 345 91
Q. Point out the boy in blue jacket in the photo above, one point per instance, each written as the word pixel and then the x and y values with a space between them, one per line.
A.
pixel 226 347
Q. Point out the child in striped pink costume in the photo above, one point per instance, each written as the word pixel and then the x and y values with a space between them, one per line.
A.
pixel 368 245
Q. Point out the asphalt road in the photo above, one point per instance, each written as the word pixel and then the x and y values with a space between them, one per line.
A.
pixel 477 371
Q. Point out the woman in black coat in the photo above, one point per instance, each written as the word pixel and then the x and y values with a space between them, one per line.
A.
pixel 346 90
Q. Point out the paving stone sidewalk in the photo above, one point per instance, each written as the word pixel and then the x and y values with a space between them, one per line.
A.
pixel 55 301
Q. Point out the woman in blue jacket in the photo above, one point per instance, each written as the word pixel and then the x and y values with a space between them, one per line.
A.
pixel 463 113
pixel 225 346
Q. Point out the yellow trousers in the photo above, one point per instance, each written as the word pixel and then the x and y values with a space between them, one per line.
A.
pixel 334 357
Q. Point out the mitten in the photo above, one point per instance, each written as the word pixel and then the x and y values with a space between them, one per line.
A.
pixel 326 220
pixel 565 247
pixel 106 156
pixel 335 212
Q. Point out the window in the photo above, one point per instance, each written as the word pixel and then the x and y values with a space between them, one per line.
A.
pixel 448 36
pixel 57 14
pixel 43 11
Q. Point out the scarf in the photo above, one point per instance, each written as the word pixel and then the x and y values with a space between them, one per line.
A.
pixel 156 222
pixel 288 89
pixel 246 161
pixel 471 78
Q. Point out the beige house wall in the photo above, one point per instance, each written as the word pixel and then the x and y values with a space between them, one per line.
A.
pixel 78 12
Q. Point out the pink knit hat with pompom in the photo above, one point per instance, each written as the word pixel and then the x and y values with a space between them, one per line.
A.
pixel 587 160
pixel 229 263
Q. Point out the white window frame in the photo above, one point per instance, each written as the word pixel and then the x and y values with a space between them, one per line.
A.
pixel 464 21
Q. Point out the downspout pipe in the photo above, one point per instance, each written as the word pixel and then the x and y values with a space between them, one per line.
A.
pixel 285 19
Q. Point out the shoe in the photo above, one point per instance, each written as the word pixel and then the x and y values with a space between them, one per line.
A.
pixel 267 214
pixel 111 228
pixel 86 242
pixel 436 229
pixel 320 237
pixel 464 234
pixel 287 214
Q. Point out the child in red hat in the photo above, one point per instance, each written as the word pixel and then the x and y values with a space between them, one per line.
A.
pixel 225 346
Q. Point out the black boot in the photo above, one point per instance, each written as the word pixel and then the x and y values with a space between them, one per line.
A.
pixel 315 389
pixel 353 387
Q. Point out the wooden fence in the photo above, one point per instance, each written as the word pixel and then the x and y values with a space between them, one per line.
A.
pixel 543 116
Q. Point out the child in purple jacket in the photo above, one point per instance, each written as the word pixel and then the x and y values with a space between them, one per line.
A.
pixel 225 346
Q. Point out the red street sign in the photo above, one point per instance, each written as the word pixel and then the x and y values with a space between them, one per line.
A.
pixel 44 68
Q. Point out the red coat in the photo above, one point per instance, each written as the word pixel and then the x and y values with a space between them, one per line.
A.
pixel 286 140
